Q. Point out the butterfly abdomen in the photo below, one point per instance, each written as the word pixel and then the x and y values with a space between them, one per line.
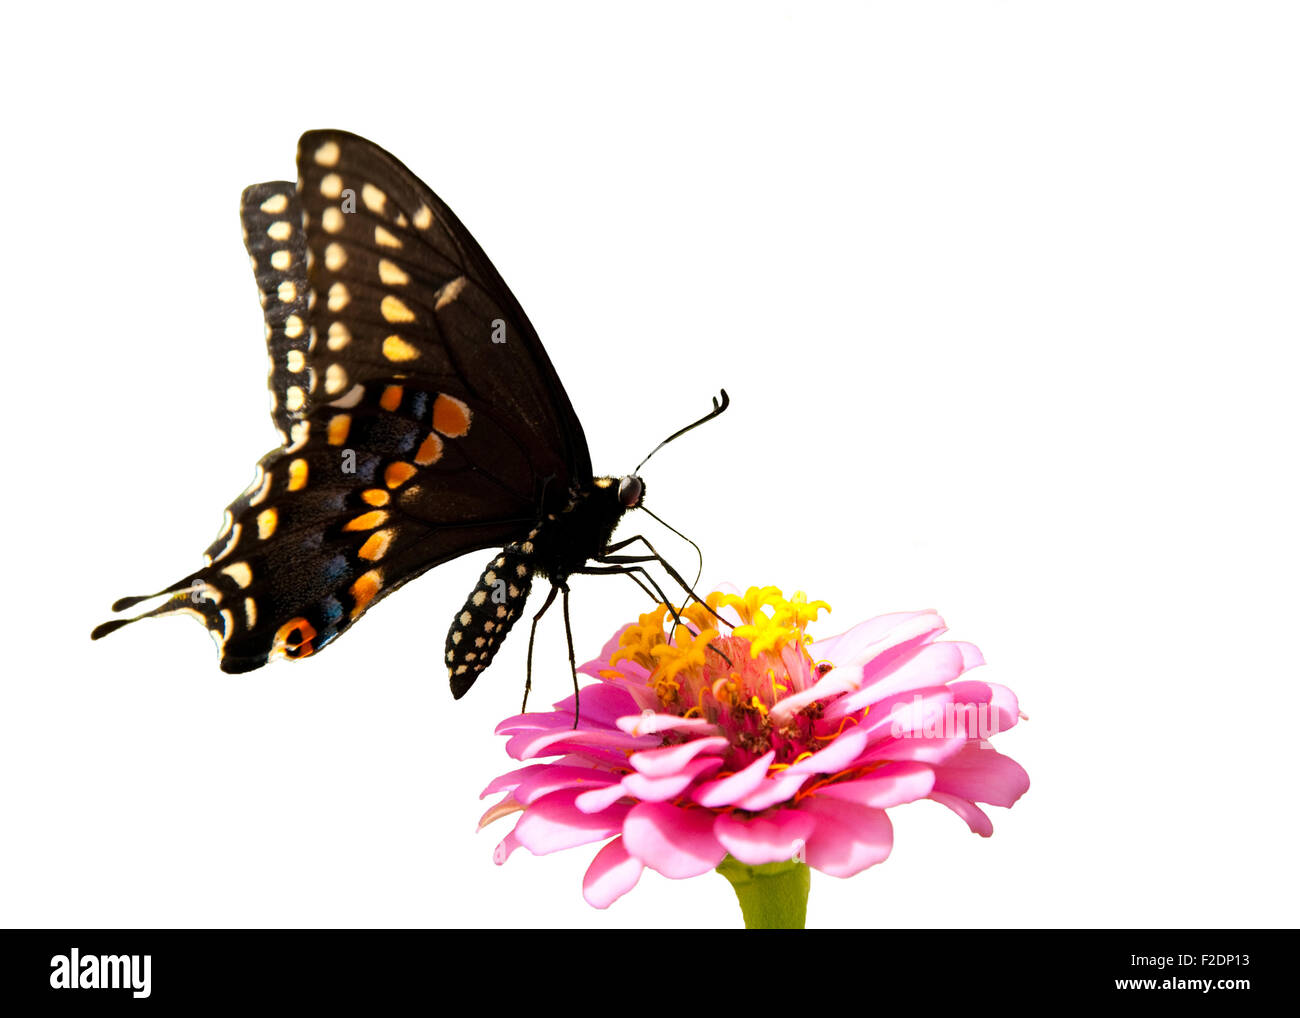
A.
pixel 489 613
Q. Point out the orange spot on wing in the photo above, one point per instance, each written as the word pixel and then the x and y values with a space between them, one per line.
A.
pixel 392 397
pixel 339 426
pixel 376 545
pixel 397 474
pixel 366 521
pixel 364 590
pixel 294 639
pixel 430 451
pixel 451 416
pixel 375 496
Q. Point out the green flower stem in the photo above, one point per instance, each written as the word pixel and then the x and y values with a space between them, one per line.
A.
pixel 773 896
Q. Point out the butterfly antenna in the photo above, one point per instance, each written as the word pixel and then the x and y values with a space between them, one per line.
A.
pixel 718 407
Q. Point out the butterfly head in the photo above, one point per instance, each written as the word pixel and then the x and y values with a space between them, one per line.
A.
pixel 631 489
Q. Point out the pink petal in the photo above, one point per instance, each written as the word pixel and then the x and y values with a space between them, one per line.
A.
pixel 598 799
pixel 848 838
pixel 510 781
pixel 879 656
pixel 651 723
pixel 890 785
pixel 935 664
pixel 674 841
pixel 971 655
pixel 976 819
pixel 776 836
pixel 916 713
pixel 981 775
pixel 730 790
pixel 773 790
pixel 552 777
pixel 611 875
pixel 1007 706
pixel 986 717
pixel 505 848
pixel 670 786
pixel 601 661
pixel 553 823
pixel 568 740
pixel 507 805
pixel 841 753
pixel 666 760
pixel 927 750
pixel 849 644
pixel 600 705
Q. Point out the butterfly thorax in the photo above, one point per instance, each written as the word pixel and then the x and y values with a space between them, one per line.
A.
pixel 564 542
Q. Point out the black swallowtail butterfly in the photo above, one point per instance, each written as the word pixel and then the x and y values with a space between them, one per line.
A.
pixel 420 419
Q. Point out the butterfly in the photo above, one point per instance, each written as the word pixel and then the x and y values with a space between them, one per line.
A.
pixel 420 418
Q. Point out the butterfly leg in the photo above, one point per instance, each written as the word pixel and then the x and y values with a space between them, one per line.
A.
pixel 654 556
pixel 616 565
pixel 532 635
pixel 573 665
pixel 654 590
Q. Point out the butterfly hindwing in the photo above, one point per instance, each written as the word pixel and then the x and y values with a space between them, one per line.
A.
pixel 277 248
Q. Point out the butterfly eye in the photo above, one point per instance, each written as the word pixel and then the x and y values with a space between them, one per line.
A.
pixel 630 490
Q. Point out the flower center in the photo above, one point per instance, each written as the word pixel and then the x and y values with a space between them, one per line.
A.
pixel 730 675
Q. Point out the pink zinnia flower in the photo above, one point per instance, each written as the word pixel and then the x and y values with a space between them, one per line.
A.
pixel 756 742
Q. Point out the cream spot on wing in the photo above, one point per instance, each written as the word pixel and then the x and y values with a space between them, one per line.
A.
pixel 240 573
pixel 385 239
pixel 391 275
pixel 275 204
pixel 336 379
pixel 423 218
pixel 250 612
pixel 397 349
pixel 281 260
pixel 294 398
pixel 339 297
pixel 449 293
pixel 295 360
pixel 279 230
pixel 338 336
pixel 327 154
pixel 299 432
pixel 351 399
pixel 335 257
pixel 394 310
pixel 287 292
pixel 373 198
pixel 332 220
pixel 331 185
pixel 293 329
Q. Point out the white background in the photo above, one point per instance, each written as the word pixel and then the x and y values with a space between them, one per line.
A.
pixel 1005 297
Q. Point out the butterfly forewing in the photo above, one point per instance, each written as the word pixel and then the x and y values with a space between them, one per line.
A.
pixel 404 289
